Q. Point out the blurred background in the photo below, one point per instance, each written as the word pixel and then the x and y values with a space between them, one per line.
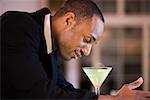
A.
pixel 125 44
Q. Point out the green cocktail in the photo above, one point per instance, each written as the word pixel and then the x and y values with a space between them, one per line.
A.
pixel 97 75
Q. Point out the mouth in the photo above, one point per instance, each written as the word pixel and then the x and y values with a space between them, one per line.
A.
pixel 77 54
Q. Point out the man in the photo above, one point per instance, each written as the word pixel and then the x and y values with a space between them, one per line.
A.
pixel 32 43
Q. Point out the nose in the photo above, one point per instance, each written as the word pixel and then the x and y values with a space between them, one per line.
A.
pixel 86 49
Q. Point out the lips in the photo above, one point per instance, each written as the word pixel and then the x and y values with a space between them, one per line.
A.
pixel 77 54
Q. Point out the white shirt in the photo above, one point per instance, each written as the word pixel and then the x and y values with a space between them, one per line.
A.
pixel 47 33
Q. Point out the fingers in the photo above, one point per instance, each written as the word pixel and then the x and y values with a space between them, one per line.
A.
pixel 147 94
pixel 135 84
pixel 142 94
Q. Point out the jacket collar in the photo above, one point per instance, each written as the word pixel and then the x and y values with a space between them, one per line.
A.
pixel 43 21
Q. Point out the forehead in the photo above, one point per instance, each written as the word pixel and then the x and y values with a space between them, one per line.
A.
pixel 94 27
pixel 97 27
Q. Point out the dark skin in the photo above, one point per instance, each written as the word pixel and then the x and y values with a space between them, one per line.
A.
pixel 127 92
pixel 75 38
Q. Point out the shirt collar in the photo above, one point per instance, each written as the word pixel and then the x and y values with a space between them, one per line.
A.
pixel 47 33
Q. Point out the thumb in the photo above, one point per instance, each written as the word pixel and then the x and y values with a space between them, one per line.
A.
pixel 135 84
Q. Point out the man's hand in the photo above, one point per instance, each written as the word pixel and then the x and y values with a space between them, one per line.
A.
pixel 127 92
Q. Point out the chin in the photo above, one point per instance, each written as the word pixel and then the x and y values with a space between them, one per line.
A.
pixel 67 58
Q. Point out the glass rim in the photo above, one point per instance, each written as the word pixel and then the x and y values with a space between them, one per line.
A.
pixel 97 67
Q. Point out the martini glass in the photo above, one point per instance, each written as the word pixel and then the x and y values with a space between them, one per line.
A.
pixel 97 75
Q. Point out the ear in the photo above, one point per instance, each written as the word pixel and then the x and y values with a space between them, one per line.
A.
pixel 69 20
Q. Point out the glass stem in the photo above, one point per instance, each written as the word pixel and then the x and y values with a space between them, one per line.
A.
pixel 97 90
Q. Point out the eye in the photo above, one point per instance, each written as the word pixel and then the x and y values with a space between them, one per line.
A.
pixel 88 40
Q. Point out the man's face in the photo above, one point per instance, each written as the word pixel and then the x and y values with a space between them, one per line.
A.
pixel 77 39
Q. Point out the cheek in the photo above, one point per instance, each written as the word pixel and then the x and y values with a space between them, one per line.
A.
pixel 66 42
pixel 69 41
pixel 76 41
pixel 69 46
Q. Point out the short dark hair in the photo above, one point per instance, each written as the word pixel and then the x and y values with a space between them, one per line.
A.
pixel 81 9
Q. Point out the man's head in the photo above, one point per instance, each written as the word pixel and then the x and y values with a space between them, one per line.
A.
pixel 77 26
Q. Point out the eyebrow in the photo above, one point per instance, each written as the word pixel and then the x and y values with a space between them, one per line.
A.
pixel 93 38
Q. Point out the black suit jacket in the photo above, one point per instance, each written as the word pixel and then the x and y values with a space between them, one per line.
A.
pixel 27 71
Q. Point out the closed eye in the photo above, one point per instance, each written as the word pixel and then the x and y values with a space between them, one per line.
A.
pixel 90 39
